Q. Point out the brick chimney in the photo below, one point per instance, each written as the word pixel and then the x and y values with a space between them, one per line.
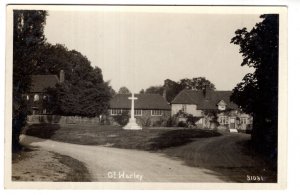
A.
pixel 165 93
pixel 61 76
pixel 165 90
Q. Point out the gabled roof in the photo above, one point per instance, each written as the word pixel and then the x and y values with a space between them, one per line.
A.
pixel 221 103
pixel 144 101
pixel 39 83
pixel 203 101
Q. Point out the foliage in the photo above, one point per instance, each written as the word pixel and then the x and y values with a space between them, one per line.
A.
pixel 257 94
pixel 172 88
pixel 110 89
pixel 142 91
pixel 28 29
pixel 172 121
pixel 124 90
pixel 122 119
pixel 197 83
pixel 155 90
pixel 190 120
pixel 83 92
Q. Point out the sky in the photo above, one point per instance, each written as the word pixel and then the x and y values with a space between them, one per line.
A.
pixel 138 49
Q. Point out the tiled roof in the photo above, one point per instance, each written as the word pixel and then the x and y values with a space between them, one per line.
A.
pixel 39 83
pixel 144 101
pixel 208 101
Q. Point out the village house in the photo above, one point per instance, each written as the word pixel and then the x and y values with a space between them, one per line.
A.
pixel 37 97
pixel 149 109
pixel 212 108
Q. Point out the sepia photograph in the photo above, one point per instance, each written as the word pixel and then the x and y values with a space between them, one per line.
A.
pixel 146 96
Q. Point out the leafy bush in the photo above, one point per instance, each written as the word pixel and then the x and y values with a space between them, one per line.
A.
pixel 122 119
pixel 182 124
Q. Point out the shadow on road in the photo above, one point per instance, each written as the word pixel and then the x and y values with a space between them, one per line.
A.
pixel 229 157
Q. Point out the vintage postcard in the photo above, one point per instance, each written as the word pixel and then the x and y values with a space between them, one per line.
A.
pixel 146 97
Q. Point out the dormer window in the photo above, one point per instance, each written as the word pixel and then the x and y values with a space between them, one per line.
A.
pixel 221 105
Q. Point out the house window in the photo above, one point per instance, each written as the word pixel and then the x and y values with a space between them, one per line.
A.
pixel 183 108
pixel 116 111
pixel 36 97
pixel 223 120
pixel 137 112
pixel 156 112
pixel 243 120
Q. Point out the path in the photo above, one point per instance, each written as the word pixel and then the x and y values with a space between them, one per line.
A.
pixel 113 164
pixel 215 159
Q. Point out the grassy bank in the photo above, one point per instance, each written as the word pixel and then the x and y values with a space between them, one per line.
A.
pixel 147 139
pixel 39 165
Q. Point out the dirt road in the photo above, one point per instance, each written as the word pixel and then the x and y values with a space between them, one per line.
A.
pixel 112 164
pixel 218 159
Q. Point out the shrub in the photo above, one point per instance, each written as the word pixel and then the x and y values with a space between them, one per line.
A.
pixel 122 119
pixel 182 124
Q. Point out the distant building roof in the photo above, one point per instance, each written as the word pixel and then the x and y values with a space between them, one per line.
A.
pixel 144 101
pixel 207 101
pixel 39 83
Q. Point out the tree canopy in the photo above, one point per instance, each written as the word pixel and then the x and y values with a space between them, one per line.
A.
pixel 83 92
pixel 257 94
pixel 124 90
pixel 155 90
pixel 197 83
pixel 28 38
pixel 172 88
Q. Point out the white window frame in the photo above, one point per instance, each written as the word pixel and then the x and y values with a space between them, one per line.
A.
pixel 44 111
pixel 116 112
pixel 244 120
pixel 36 97
pixel 136 111
pixel 155 114
pixel 223 120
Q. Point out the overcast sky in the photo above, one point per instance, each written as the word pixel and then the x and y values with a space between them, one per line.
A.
pixel 142 49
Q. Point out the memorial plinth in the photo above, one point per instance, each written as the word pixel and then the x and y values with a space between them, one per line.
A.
pixel 132 125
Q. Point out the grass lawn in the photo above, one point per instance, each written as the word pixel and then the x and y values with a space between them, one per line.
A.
pixel 147 139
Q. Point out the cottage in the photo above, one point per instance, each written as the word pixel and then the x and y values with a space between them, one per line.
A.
pixel 149 109
pixel 37 97
pixel 213 109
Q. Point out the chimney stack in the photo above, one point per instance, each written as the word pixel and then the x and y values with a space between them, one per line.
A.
pixel 204 91
pixel 61 76
pixel 165 90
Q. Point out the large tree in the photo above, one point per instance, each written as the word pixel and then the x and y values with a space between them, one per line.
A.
pixel 171 88
pixel 28 38
pixel 257 94
pixel 83 92
pixel 155 90
pixel 124 90
pixel 197 83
